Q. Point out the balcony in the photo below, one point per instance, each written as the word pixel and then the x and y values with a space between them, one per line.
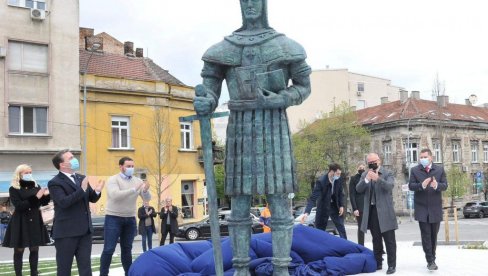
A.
pixel 218 154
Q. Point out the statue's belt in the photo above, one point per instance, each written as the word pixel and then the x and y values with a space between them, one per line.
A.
pixel 247 105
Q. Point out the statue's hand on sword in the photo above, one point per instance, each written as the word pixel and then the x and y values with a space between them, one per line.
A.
pixel 204 105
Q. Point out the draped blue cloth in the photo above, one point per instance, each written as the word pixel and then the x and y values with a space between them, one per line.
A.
pixel 313 252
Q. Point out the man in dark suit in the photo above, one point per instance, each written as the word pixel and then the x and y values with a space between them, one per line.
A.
pixel 146 215
pixel 428 180
pixel 378 211
pixel 357 201
pixel 72 226
pixel 328 195
pixel 169 221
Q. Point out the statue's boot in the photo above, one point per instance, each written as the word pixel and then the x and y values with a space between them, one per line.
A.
pixel 282 232
pixel 240 235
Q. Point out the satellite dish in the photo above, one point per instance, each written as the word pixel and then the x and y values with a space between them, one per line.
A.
pixel 473 99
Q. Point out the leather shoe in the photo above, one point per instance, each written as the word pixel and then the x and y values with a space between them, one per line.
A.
pixel 432 266
pixel 391 270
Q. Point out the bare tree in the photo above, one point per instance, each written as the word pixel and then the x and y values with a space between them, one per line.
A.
pixel 439 87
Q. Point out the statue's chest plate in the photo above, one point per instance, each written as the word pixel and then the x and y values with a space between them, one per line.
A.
pixel 251 55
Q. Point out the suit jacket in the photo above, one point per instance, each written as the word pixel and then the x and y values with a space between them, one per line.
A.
pixel 357 199
pixel 383 188
pixel 173 216
pixel 428 202
pixel 321 197
pixel 141 214
pixel 72 217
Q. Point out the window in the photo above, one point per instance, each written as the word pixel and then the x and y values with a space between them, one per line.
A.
pixel 38 4
pixel 27 120
pixel 27 57
pixel 437 152
pixel 387 154
pixel 485 152
pixel 474 152
pixel 120 132
pixel 360 104
pixel 455 152
pixel 360 86
pixel 412 153
pixel 186 136
pixel 187 198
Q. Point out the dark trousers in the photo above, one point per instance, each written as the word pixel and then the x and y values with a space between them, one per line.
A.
pixel 359 219
pixel 115 228
pixel 67 248
pixel 147 233
pixel 165 234
pixel 428 232
pixel 338 221
pixel 388 237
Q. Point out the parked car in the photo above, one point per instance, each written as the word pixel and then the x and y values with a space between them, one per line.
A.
pixel 475 208
pixel 310 221
pixel 201 229
pixel 98 226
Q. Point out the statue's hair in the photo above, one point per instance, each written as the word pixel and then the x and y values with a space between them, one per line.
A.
pixel 264 16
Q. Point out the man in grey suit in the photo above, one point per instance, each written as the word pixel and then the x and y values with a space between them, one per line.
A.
pixel 428 180
pixel 378 213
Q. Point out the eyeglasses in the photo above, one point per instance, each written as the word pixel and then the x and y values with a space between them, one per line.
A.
pixel 374 161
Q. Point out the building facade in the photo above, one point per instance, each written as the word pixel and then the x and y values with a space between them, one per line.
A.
pixel 331 87
pixel 455 133
pixel 133 109
pixel 39 85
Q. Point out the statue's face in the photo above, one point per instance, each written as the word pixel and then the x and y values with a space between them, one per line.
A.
pixel 252 9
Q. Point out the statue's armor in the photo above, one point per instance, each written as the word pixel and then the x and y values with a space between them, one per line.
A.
pixel 259 158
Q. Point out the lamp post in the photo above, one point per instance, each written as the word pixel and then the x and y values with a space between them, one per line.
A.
pixel 93 49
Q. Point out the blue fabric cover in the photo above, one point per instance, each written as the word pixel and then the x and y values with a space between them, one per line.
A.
pixel 314 252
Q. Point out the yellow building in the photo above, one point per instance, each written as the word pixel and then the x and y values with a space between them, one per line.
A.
pixel 133 109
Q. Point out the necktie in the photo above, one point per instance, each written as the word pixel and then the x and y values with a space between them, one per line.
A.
pixel 427 169
pixel 74 179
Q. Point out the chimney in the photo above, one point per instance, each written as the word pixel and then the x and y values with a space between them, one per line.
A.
pixel 83 34
pixel 467 101
pixel 403 96
pixel 90 40
pixel 139 52
pixel 442 101
pixel 129 48
pixel 384 100
pixel 415 95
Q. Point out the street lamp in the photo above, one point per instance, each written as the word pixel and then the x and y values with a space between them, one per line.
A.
pixel 92 50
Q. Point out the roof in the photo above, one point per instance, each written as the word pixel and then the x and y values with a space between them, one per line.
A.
pixel 121 66
pixel 417 108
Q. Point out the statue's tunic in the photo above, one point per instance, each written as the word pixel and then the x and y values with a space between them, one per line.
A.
pixel 259 156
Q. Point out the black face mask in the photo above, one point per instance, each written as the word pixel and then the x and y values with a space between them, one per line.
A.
pixel 360 171
pixel 373 166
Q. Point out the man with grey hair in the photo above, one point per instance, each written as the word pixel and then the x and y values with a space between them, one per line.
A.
pixel 257 64
pixel 378 213
pixel 169 221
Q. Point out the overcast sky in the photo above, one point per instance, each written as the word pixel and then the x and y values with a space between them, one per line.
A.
pixel 406 41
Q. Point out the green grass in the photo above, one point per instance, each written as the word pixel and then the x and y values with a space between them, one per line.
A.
pixel 48 267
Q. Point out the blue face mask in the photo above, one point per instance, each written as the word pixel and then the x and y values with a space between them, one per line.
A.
pixel 27 177
pixel 129 171
pixel 424 162
pixel 336 177
pixel 75 164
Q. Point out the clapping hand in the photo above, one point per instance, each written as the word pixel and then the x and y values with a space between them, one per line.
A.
pixel 99 186
pixel 372 175
pixel 434 183
pixel 426 183
pixel 40 193
pixel 84 183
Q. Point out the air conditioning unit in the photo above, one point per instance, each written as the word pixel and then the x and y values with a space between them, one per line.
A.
pixel 38 14
pixel 360 93
pixel 465 168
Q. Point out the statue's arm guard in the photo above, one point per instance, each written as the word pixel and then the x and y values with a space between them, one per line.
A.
pixel 213 75
pixel 300 88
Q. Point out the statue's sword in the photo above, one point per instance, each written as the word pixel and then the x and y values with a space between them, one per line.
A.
pixel 206 136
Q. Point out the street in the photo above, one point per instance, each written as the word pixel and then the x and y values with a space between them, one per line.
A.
pixel 473 229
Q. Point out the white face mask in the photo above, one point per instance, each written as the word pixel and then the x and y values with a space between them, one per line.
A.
pixel 27 177
pixel 424 162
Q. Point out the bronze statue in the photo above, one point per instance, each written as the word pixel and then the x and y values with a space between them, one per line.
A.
pixel 257 64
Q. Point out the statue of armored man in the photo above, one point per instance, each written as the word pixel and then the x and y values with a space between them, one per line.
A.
pixel 257 64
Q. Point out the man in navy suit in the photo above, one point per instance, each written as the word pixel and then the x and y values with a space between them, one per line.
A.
pixel 72 226
pixel 428 181
pixel 328 195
